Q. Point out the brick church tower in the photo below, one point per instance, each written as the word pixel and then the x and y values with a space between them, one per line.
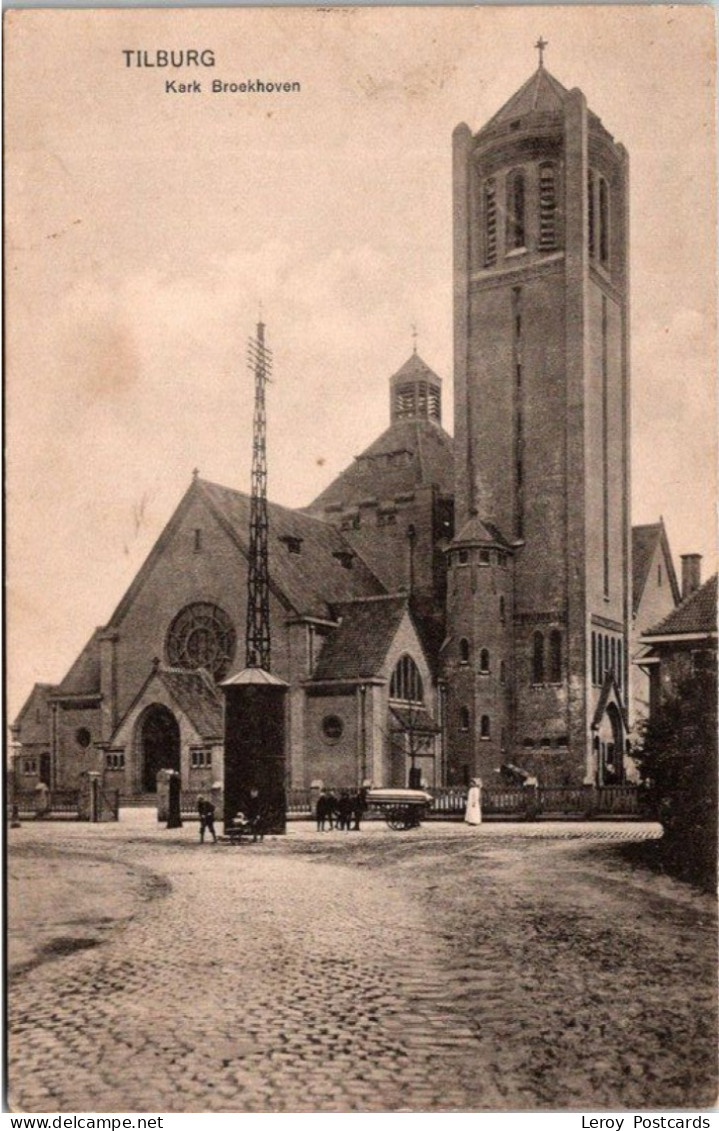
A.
pixel 538 592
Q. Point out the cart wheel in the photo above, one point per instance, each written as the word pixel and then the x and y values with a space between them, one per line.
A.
pixel 397 819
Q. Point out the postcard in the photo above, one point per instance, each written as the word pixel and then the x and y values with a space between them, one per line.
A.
pixel 361 605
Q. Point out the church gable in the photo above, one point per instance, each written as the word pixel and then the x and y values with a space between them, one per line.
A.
pixel 371 637
pixel 189 696
pixel 406 643
pixel 187 605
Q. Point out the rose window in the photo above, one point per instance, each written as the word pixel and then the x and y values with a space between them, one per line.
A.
pixel 202 636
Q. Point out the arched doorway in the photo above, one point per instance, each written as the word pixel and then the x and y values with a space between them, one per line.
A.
pixel 159 745
pixel 609 747
pixel 614 766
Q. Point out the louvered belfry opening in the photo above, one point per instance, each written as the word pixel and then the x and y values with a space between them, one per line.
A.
pixel 547 208
pixel 417 400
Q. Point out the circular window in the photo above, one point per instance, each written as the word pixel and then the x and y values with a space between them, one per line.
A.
pixel 332 727
pixel 83 737
pixel 202 636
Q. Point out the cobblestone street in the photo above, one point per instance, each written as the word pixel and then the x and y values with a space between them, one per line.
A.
pixel 352 972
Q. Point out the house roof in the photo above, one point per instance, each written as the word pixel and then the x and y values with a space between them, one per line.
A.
pixel 697 614
pixel 358 647
pixel 645 540
pixel 408 454
pixel 196 695
pixel 541 93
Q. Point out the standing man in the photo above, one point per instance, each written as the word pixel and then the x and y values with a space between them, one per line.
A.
pixel 206 811
pixel 254 814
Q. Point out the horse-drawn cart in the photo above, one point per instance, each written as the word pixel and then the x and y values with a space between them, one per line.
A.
pixel 401 808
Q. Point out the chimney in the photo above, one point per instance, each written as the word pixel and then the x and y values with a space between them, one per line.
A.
pixel 691 574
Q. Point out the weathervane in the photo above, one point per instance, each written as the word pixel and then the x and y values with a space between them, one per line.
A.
pixel 540 45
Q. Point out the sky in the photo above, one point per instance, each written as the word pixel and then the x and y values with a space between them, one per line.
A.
pixel 145 229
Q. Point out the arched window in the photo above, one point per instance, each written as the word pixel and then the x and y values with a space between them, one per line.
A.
pixel 607 660
pixel 594 657
pixel 464 650
pixel 464 718
pixel 502 609
pixel 502 671
pixel 484 661
pixel 484 727
pixel 619 662
pixel 406 682
pixel 538 658
pixel 555 656
pixel 515 211
pixel 490 223
pixel 547 208
pixel 614 656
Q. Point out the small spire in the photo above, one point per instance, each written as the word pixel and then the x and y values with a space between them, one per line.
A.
pixel 540 45
pixel 195 472
pixel 414 337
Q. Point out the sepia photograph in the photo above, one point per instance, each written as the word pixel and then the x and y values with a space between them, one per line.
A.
pixel 360 561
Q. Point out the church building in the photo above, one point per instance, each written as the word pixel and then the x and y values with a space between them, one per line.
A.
pixel 447 605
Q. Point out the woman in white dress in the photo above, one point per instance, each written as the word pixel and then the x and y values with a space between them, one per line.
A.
pixel 473 812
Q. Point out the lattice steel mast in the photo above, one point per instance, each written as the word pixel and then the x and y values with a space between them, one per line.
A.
pixel 258 582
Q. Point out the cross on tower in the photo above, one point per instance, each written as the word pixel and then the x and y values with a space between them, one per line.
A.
pixel 414 337
pixel 540 45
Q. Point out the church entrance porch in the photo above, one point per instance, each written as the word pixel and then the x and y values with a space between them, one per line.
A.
pixel 610 760
pixel 159 734
pixel 412 748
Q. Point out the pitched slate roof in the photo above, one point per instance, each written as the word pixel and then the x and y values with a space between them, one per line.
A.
pixel 541 93
pixel 255 677
pixel 644 543
pixel 307 582
pixel 311 580
pixel 32 730
pixel 415 368
pixel 83 677
pixel 479 530
pixel 359 646
pixel 417 719
pixel 196 695
pixel 698 613
pixel 408 454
